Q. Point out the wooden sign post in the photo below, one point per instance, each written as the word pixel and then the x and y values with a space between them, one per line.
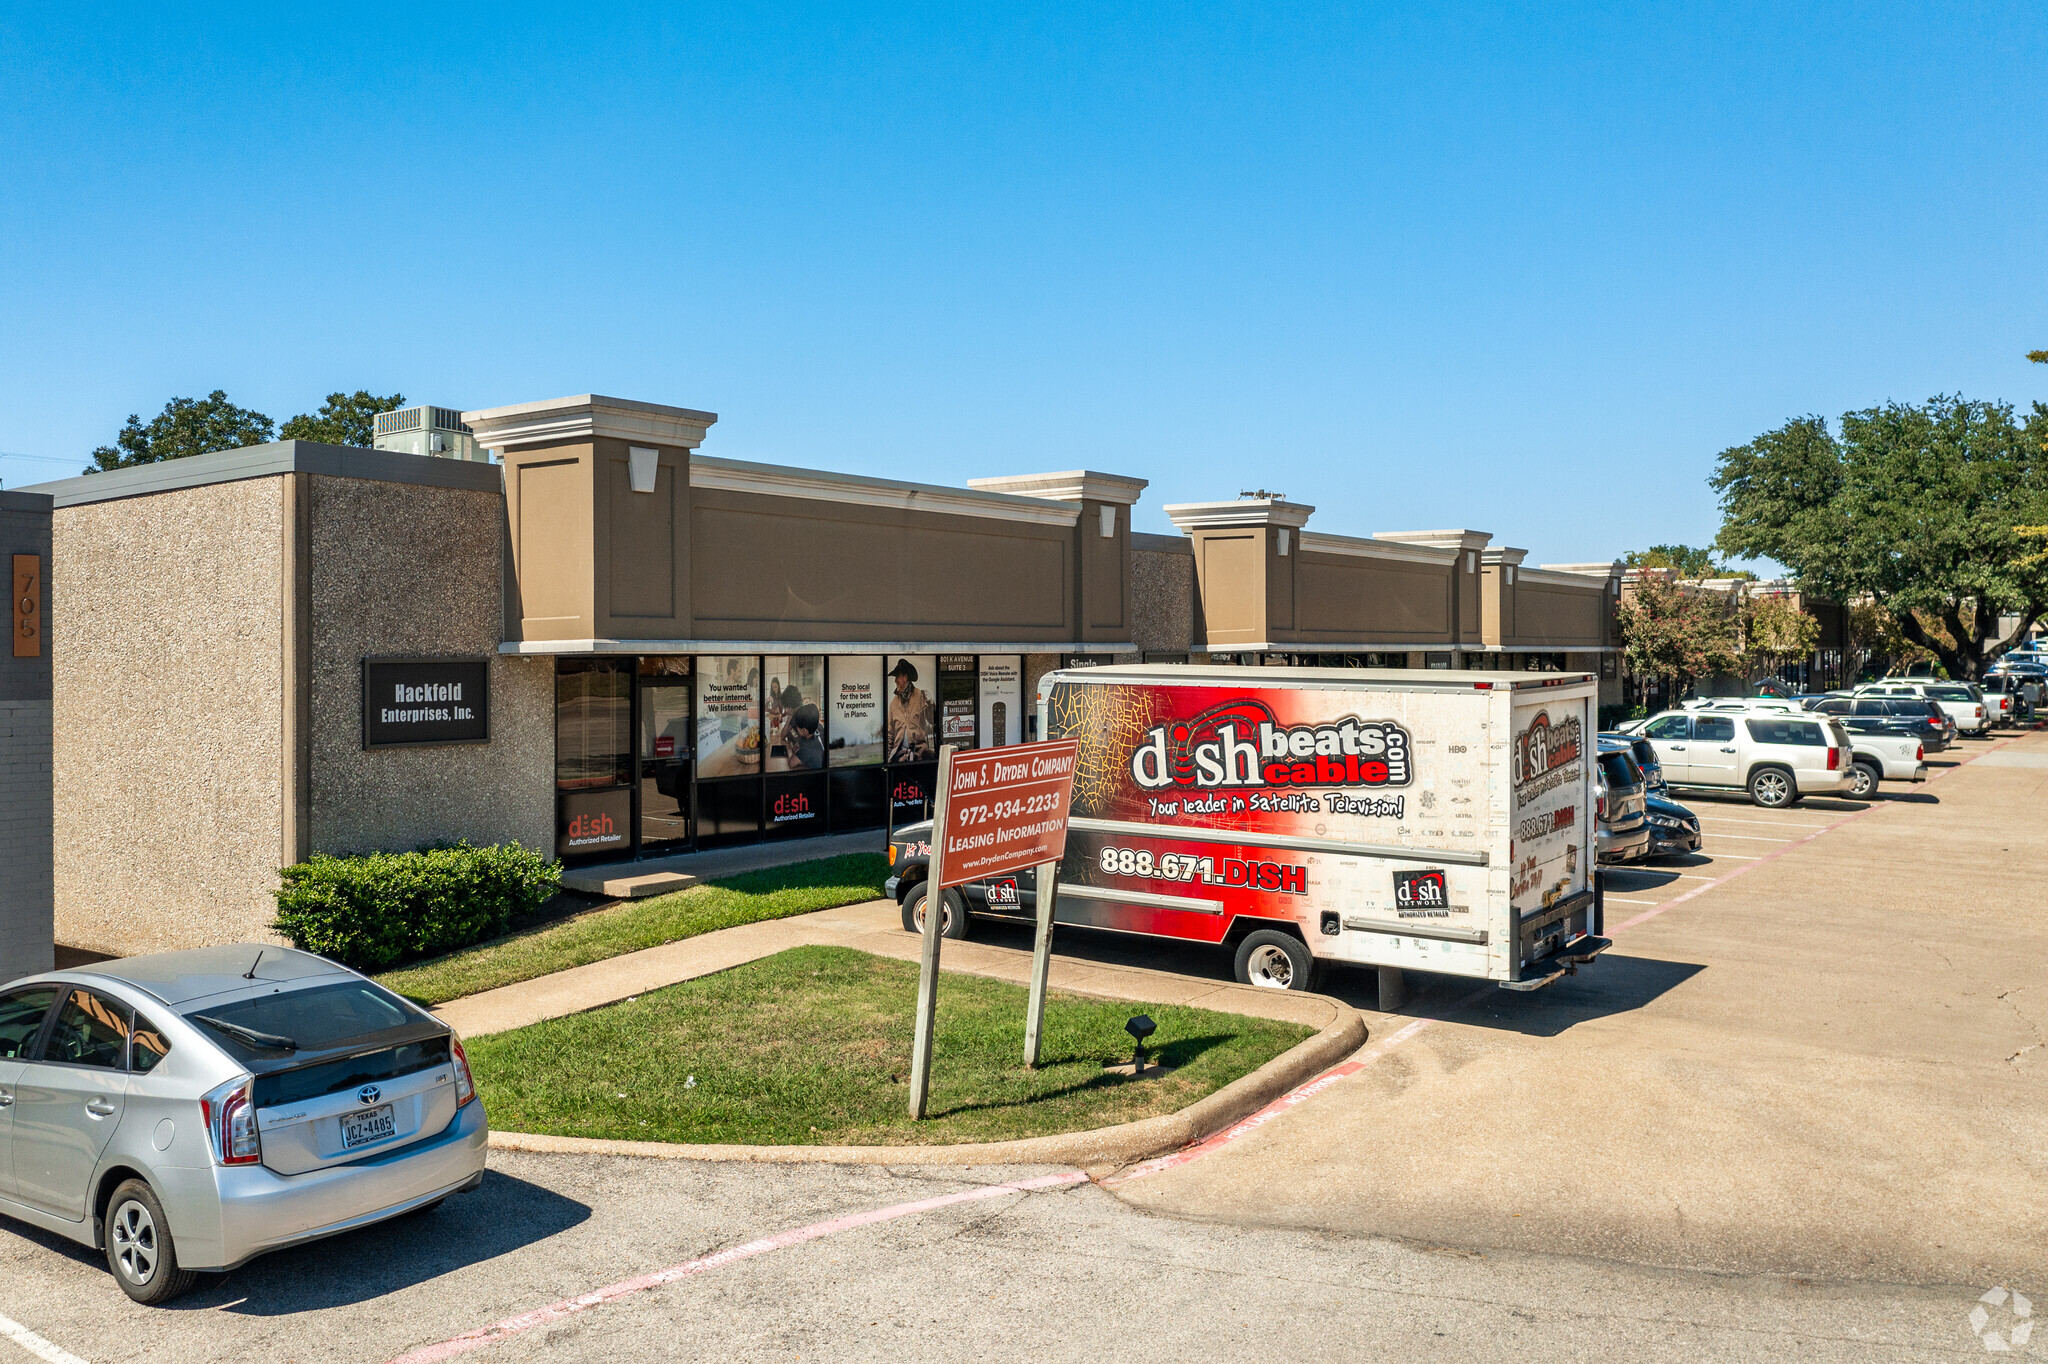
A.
pixel 997 811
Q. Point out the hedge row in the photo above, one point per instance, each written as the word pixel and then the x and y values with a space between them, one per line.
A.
pixel 372 911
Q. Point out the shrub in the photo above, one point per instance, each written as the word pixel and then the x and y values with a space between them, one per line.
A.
pixel 372 911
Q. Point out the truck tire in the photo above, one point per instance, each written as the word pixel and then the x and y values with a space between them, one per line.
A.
pixel 1772 788
pixel 1867 776
pixel 952 915
pixel 1276 961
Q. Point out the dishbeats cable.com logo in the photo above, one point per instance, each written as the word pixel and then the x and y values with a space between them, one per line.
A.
pixel 1239 744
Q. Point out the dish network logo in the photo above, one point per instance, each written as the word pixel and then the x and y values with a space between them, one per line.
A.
pixel 1240 744
pixel 791 805
pixel 592 826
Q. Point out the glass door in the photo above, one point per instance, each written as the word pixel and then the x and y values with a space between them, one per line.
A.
pixel 665 735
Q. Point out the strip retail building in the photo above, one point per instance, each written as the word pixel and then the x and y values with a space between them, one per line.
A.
pixel 611 645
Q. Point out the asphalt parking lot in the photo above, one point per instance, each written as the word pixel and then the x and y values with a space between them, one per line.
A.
pixel 1798 1112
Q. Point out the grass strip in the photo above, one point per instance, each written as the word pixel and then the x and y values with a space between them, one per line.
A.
pixel 812 1046
pixel 771 893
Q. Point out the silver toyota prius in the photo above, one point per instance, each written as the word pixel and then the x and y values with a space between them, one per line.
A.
pixel 191 1110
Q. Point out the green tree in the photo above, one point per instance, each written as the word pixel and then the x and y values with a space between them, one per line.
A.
pixel 1689 561
pixel 1774 632
pixel 1915 506
pixel 344 419
pixel 1671 630
pixel 186 426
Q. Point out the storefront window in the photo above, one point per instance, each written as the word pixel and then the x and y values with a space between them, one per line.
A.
pixel 912 718
pixel 593 723
pixel 956 700
pixel 664 752
pixel 795 723
pixel 1000 689
pixel 728 716
pixel 854 727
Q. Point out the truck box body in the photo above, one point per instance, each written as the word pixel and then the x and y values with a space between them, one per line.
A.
pixel 1437 820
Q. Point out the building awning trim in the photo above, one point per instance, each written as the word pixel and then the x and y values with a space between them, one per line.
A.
pixel 546 647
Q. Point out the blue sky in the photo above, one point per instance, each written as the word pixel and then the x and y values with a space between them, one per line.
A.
pixel 1522 269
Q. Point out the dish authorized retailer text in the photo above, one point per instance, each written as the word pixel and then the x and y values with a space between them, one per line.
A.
pixel 1442 821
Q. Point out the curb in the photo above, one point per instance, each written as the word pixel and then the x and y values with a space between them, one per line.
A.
pixel 1123 1144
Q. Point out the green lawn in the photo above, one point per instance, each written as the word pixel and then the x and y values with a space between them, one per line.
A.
pixel 812 1045
pixel 773 893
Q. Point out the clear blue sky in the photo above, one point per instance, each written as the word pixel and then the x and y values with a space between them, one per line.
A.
pixel 1522 269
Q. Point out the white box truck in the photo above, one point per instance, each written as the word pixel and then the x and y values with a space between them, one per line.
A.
pixel 1434 820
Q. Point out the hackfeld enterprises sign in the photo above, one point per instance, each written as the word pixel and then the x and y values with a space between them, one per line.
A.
pixel 408 701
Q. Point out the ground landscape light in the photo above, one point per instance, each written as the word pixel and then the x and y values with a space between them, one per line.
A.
pixel 1140 1028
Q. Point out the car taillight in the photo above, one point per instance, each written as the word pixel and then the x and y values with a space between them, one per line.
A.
pixel 1919 753
pixel 892 854
pixel 1600 806
pixel 229 1113
pixel 1834 760
pixel 465 1087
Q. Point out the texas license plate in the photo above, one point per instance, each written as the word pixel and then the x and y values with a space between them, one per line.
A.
pixel 367 1127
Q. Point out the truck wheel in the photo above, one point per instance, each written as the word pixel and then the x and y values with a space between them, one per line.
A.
pixel 1276 961
pixel 1867 777
pixel 1772 788
pixel 952 914
pixel 139 1246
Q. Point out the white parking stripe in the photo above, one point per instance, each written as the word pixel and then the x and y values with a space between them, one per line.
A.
pixel 35 1344
pixel 1769 823
pixel 1624 900
pixel 1753 838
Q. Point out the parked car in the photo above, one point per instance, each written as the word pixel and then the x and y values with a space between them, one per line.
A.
pixel 1674 830
pixel 1923 717
pixel 1777 757
pixel 1645 754
pixel 1621 801
pixel 1885 750
pixel 191 1110
pixel 1954 698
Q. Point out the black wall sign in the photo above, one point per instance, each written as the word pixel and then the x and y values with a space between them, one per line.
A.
pixel 409 701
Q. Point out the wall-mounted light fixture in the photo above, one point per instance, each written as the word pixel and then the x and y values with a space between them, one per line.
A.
pixel 1107 520
pixel 641 466
pixel 1283 541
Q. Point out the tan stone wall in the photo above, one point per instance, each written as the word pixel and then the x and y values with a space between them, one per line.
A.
pixel 166 634
pixel 408 570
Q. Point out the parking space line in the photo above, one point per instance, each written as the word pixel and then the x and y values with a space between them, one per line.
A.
pixel 567 1307
pixel 1767 823
pixel 1621 900
pixel 1756 838
pixel 35 1344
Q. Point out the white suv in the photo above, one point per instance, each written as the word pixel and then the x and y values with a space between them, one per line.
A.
pixel 1775 756
pixel 1958 701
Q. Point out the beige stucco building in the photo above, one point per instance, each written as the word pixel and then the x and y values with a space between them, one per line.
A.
pixel 610 644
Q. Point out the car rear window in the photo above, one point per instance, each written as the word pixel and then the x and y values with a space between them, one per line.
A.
pixel 1913 707
pixel 1620 770
pixel 1786 732
pixel 1950 693
pixel 323 1017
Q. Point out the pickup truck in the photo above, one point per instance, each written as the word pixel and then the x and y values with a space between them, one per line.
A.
pixel 1882 754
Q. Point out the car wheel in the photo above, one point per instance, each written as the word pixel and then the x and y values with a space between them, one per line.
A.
pixel 1866 777
pixel 139 1246
pixel 1772 788
pixel 952 913
pixel 1276 961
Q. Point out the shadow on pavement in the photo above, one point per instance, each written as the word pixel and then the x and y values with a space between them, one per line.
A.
pixel 1611 985
pixel 503 1215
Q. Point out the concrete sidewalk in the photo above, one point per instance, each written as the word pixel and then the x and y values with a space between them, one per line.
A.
pixel 876 927
pixel 660 875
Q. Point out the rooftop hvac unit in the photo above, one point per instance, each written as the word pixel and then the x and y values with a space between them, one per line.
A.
pixel 426 430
